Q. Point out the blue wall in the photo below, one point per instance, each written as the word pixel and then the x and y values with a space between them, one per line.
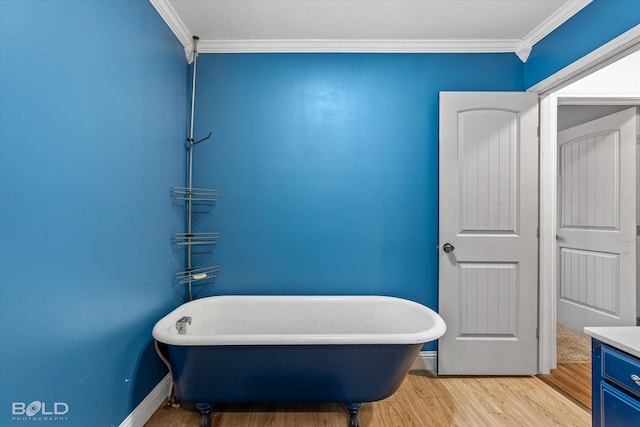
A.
pixel 92 122
pixel 595 25
pixel 327 166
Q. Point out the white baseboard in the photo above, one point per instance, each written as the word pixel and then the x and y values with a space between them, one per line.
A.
pixel 149 404
pixel 426 361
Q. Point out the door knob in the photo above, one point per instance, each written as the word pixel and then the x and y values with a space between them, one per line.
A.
pixel 448 248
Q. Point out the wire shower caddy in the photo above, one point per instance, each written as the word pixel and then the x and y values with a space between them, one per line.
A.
pixel 198 200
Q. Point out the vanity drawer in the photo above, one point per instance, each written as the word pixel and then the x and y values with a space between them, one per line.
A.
pixel 617 408
pixel 621 369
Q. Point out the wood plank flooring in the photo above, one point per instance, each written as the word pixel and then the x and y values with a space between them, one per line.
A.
pixel 572 379
pixel 421 401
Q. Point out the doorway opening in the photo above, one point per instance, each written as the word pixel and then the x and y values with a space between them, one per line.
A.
pixel 577 271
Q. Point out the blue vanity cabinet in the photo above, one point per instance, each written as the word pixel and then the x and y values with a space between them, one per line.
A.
pixel 615 387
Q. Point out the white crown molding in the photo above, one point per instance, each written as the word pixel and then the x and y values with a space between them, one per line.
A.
pixel 369 45
pixel 521 47
pixel 169 15
pixel 560 16
pixel 173 21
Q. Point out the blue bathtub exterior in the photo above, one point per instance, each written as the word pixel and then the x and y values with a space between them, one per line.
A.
pixel 290 373
pixel 350 374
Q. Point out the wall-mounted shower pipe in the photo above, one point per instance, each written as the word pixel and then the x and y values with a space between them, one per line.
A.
pixel 194 195
pixel 191 144
pixel 190 140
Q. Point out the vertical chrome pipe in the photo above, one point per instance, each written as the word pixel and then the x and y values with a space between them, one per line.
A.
pixel 193 108
pixel 190 166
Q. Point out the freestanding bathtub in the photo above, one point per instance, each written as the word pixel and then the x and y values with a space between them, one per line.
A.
pixel 240 349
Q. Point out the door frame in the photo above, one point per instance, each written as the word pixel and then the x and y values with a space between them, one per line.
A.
pixel 547 89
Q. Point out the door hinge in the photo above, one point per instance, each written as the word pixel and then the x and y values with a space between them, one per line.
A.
pixel 537 333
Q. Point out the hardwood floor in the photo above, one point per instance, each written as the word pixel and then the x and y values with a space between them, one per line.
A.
pixel 421 401
pixel 572 379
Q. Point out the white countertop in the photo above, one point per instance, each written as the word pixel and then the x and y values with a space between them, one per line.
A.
pixel 625 338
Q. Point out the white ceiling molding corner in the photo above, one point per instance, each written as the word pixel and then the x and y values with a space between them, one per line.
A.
pixel 174 22
pixel 523 50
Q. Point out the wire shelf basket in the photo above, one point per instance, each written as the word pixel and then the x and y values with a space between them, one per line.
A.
pixel 190 239
pixel 197 274
pixel 201 195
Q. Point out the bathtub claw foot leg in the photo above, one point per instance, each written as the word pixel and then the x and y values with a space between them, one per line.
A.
pixel 205 409
pixel 353 413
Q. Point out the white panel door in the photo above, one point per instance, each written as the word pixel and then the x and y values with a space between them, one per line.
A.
pixel 597 222
pixel 488 288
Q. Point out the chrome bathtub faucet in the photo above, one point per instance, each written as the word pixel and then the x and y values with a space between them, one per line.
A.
pixel 181 325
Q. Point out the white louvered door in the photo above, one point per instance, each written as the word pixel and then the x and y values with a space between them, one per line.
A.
pixel 488 287
pixel 597 222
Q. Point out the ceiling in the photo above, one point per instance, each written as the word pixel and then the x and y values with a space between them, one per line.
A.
pixel 365 25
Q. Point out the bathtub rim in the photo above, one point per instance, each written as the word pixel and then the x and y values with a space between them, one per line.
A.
pixel 163 330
